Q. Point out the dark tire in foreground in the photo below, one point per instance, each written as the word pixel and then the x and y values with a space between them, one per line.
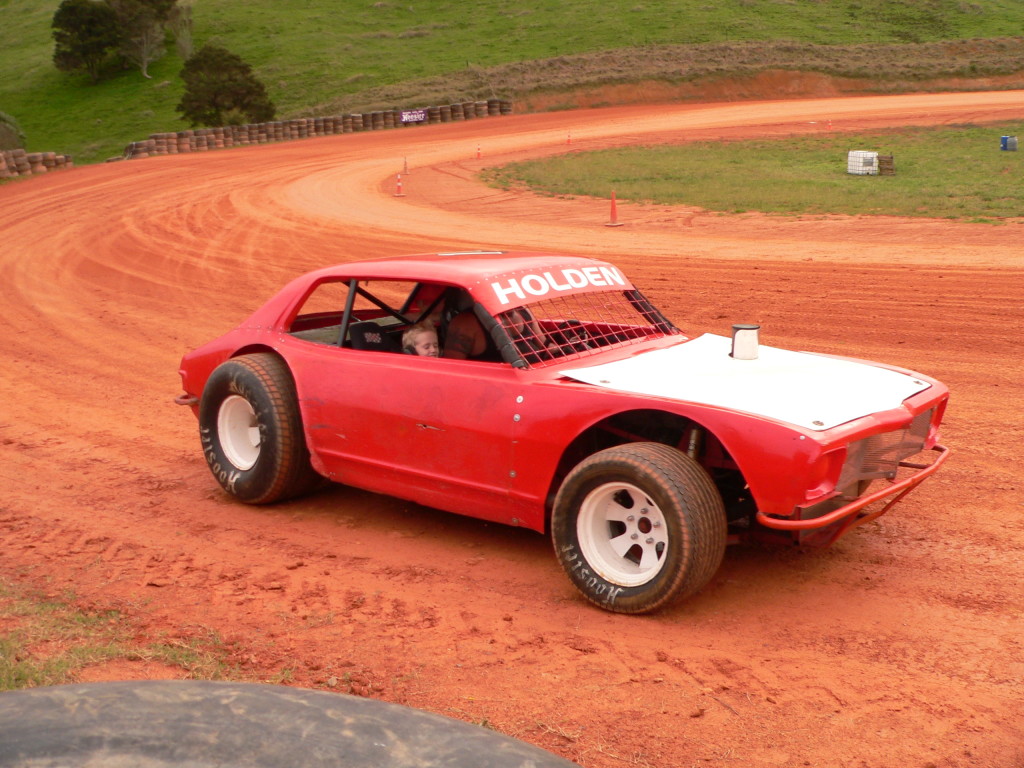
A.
pixel 638 526
pixel 251 430
pixel 198 724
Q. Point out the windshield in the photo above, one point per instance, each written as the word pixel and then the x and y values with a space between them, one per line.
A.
pixel 581 324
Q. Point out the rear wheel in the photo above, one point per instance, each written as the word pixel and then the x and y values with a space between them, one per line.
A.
pixel 251 430
pixel 638 526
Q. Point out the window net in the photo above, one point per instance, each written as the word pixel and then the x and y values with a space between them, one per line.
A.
pixel 581 324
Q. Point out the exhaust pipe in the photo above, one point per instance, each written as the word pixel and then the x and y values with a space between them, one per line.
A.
pixel 744 341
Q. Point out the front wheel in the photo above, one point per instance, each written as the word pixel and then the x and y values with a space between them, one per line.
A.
pixel 638 526
pixel 252 432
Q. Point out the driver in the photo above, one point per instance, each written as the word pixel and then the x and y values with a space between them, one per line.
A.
pixel 465 339
pixel 525 331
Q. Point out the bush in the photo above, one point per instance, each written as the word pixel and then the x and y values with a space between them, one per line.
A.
pixel 220 89
pixel 11 136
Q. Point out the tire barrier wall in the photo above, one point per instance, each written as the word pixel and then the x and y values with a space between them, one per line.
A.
pixel 205 139
pixel 18 162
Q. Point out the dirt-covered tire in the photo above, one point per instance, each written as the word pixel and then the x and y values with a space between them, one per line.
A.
pixel 251 430
pixel 638 526
pixel 201 724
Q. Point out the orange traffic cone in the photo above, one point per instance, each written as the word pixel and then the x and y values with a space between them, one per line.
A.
pixel 614 222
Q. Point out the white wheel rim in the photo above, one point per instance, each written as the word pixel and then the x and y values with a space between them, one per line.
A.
pixel 622 534
pixel 238 432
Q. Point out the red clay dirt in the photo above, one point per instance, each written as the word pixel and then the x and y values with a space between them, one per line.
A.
pixel 899 646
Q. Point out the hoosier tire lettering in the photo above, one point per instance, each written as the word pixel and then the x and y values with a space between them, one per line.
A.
pixel 226 477
pixel 638 526
pixel 606 593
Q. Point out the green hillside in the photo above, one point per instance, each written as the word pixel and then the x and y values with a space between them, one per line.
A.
pixel 328 56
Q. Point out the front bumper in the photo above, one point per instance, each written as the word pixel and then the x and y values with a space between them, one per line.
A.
pixel 847 516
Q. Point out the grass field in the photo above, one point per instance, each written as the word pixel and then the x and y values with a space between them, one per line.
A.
pixel 328 56
pixel 48 640
pixel 956 172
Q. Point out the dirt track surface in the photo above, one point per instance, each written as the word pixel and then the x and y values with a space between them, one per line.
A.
pixel 900 646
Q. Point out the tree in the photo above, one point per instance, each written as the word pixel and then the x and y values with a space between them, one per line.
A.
pixel 85 32
pixel 162 8
pixel 143 30
pixel 180 22
pixel 220 89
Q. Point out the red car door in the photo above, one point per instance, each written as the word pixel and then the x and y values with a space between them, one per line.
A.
pixel 432 430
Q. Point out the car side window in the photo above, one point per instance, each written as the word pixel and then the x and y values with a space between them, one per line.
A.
pixel 319 317
pixel 381 312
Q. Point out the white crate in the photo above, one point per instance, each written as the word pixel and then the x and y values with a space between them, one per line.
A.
pixel 862 163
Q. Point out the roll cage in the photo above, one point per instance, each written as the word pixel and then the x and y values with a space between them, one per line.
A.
pixel 530 335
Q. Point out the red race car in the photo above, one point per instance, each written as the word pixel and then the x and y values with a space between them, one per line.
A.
pixel 546 391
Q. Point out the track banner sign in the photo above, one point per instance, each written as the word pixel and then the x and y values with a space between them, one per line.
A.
pixel 414 115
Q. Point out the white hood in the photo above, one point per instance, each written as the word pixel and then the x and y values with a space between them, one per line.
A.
pixel 799 388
